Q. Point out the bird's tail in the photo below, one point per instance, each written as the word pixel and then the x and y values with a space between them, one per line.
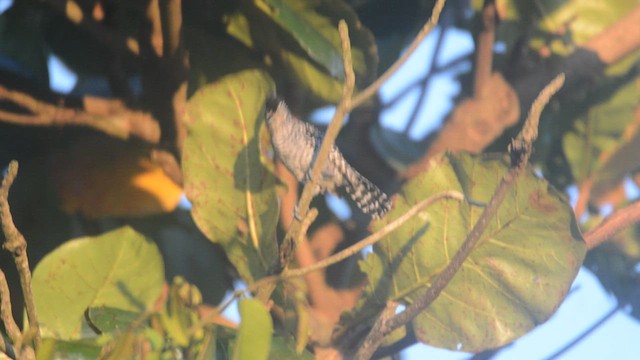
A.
pixel 371 200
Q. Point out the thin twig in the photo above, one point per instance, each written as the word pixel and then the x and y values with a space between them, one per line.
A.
pixel 108 116
pixel 16 244
pixel 613 224
pixel 7 314
pixel 306 223
pixel 373 238
pixel 370 240
pixel 520 150
pixel 327 143
pixel 156 38
pixel 363 96
pixel 172 20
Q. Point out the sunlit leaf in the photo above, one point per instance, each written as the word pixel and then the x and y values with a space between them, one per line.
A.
pixel 514 280
pixel 51 348
pixel 253 341
pixel 120 269
pixel 232 192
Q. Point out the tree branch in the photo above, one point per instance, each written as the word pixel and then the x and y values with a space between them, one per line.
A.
pixel 167 95
pixel 7 314
pixel 618 40
pixel 520 151
pixel 363 96
pixel 473 125
pixel 108 116
pixel 16 244
pixel 323 155
pixel 171 11
pixel 613 224
pixel 373 238
pixel 485 42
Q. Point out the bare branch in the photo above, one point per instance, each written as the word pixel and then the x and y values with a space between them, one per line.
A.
pixel 618 40
pixel 172 20
pixel 520 151
pixel 613 224
pixel 373 238
pixel 16 244
pixel 484 54
pixel 108 116
pixel 327 143
pixel 363 96
pixel 7 314
pixel 156 38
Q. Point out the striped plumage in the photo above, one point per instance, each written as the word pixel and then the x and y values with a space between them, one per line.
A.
pixel 297 144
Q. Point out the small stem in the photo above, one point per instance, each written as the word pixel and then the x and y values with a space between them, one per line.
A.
pixel 363 96
pixel 373 238
pixel 323 155
pixel 306 222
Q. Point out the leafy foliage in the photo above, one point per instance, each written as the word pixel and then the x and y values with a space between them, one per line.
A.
pixel 202 74
pixel 254 337
pixel 64 289
pixel 233 194
pixel 514 280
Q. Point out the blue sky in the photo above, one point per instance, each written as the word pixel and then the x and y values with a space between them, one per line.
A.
pixel 587 303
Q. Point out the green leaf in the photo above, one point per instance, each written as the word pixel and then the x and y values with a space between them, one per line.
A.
pixel 232 192
pixel 282 349
pixel 583 19
pixel 311 78
pixel 601 133
pixel 253 341
pixel 78 349
pixel 120 269
pixel 314 25
pixel 298 68
pixel 514 279
pixel 180 318
pixel 314 33
pixel 109 320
